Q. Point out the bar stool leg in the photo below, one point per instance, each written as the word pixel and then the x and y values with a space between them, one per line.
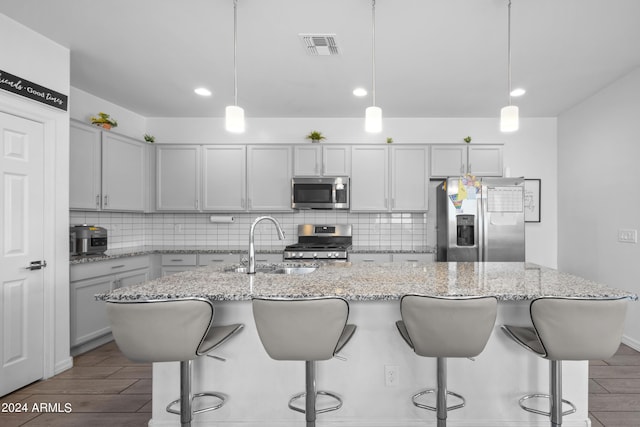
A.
pixel 555 398
pixel 186 396
pixel 441 398
pixel 310 397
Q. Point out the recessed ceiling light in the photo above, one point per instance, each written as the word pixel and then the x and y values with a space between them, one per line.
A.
pixel 359 91
pixel 202 91
pixel 518 91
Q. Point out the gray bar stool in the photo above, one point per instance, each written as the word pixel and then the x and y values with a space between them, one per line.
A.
pixel 569 329
pixel 309 330
pixel 444 327
pixel 170 330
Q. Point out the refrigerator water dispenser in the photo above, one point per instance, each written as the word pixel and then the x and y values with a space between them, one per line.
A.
pixel 465 230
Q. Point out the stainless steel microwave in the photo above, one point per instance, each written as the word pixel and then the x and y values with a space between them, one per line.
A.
pixel 320 192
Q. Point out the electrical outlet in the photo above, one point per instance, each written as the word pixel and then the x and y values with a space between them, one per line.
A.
pixel 178 228
pixel 391 375
pixel 627 236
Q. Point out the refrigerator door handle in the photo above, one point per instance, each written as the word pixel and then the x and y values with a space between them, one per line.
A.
pixel 482 225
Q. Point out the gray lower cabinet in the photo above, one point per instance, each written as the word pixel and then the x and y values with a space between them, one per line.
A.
pixel 413 257
pixel 178 262
pixel 89 324
pixel 370 257
pixel 375 257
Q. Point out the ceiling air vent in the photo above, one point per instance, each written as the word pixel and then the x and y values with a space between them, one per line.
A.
pixel 320 44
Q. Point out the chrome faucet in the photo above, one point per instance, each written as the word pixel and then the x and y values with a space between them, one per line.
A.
pixel 252 247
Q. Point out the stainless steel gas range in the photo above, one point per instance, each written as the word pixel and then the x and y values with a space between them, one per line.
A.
pixel 321 243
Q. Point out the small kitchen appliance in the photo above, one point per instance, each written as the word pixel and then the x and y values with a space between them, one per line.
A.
pixel 321 243
pixel 90 239
pixel 320 192
pixel 480 219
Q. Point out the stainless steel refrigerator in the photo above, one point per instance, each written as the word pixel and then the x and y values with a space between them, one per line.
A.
pixel 480 219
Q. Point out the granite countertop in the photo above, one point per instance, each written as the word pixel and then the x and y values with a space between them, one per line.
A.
pixel 367 282
pixel 148 250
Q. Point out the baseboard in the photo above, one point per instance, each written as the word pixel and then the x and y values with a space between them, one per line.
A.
pixel 634 344
pixel 63 365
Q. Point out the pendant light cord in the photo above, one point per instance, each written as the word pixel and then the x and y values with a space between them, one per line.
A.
pixel 235 51
pixel 509 51
pixel 373 50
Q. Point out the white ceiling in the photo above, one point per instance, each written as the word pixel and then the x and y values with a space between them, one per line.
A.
pixel 435 58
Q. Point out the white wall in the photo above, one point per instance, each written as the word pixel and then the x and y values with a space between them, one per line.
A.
pixel 530 152
pixel 598 152
pixel 29 55
pixel 85 105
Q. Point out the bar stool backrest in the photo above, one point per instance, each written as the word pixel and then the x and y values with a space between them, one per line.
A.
pixel 300 329
pixel 448 326
pixel 579 329
pixel 160 330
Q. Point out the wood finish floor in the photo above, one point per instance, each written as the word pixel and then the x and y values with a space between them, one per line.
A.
pixel 106 389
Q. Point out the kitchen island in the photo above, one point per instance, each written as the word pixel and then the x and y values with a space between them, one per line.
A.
pixel 259 388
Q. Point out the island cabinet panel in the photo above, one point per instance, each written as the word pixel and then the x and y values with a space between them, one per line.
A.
pixel 224 183
pixel 177 177
pixel 269 173
pixel 369 178
pixel 124 173
pixel 459 159
pixel 315 160
pixel 85 179
pixel 409 178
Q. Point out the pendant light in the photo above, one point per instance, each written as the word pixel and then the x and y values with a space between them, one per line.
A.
pixel 234 115
pixel 373 114
pixel 509 121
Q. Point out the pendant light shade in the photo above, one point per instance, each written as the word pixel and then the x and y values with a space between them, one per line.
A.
pixel 373 114
pixel 373 119
pixel 234 115
pixel 234 119
pixel 509 121
pixel 509 115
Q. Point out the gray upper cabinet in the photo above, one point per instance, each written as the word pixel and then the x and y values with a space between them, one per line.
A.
pixel 224 183
pixel 325 160
pixel 85 179
pixel 459 159
pixel 124 173
pixel 269 172
pixel 409 178
pixel 106 171
pixel 177 177
pixel 369 178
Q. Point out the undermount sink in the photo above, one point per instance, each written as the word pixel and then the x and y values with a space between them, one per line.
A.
pixel 275 269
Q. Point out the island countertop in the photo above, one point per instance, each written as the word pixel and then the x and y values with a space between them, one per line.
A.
pixel 364 281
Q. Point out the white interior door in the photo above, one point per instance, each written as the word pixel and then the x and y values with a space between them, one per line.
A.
pixel 21 244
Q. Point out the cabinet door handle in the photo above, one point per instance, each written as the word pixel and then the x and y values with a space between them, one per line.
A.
pixel 177 260
pixel 106 200
pixel 117 266
pixel 97 200
pixel 469 168
pixel 197 203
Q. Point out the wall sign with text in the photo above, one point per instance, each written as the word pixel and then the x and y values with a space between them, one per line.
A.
pixel 31 90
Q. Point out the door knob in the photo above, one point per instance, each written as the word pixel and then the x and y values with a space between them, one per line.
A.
pixel 36 265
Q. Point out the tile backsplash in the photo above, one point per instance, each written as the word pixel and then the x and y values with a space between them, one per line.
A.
pixel 398 231
pixel 392 231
